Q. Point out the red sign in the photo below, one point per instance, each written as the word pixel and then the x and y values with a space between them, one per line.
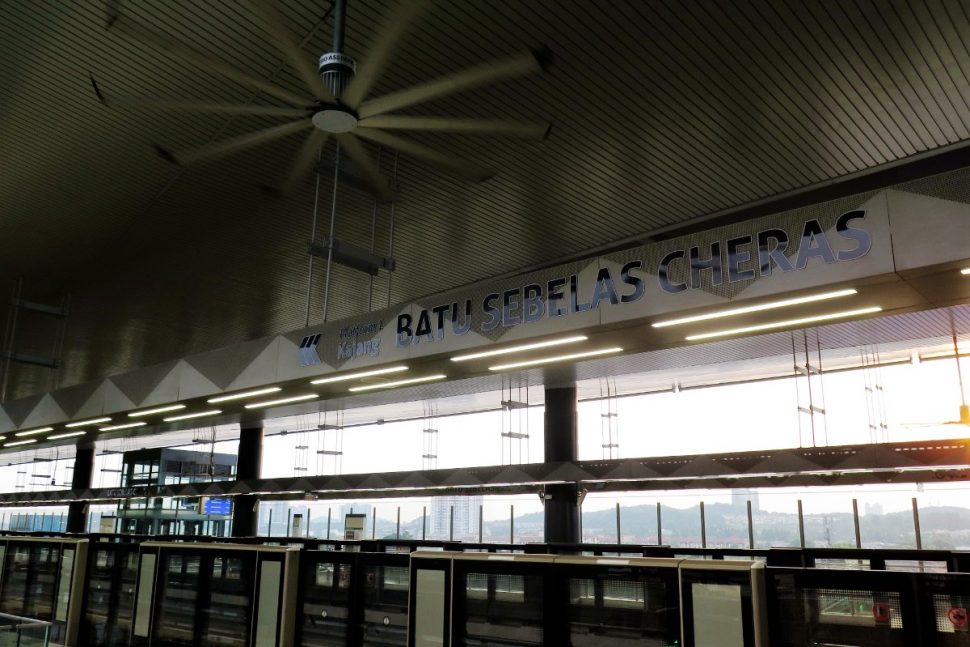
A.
pixel 957 617
pixel 881 612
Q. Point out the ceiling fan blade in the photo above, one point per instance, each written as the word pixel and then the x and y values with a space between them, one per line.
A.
pixel 233 144
pixel 125 24
pixel 153 103
pixel 525 129
pixel 305 159
pixel 381 48
pixel 485 74
pixel 368 168
pixel 275 26
pixel 422 152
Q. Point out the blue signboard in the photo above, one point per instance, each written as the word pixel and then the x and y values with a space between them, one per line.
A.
pixel 218 506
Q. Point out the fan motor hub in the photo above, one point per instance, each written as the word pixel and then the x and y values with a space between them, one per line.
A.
pixel 334 119
pixel 336 69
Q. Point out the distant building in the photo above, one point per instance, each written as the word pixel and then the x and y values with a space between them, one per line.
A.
pixel 740 497
pixel 466 516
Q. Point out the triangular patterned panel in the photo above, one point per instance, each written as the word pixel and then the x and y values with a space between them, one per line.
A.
pixel 629 469
pixel 462 477
pixel 877 456
pixel 46 411
pixel 114 399
pixel 375 481
pixel 240 487
pixel 702 466
pixel 139 385
pixel 261 370
pixel 216 488
pixel 334 483
pixel 6 424
pixel 786 463
pixel 225 365
pixel 568 472
pixel 73 399
pixel 415 479
pixel 193 384
pixel 18 410
pixel 510 475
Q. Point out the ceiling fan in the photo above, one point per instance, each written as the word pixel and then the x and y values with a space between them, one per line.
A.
pixel 964 415
pixel 337 101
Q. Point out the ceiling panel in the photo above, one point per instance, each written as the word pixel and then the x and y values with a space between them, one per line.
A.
pixel 663 112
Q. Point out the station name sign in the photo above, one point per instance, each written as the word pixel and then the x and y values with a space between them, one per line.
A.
pixel 732 260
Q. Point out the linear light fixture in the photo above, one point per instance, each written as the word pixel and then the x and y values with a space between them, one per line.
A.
pixel 189 416
pixel 85 423
pixel 965 271
pixel 522 348
pixel 360 374
pixel 148 412
pixel 20 442
pixel 771 305
pixel 397 383
pixel 32 432
pixel 785 324
pixel 273 403
pixel 244 395
pixel 127 425
pixel 556 358
pixel 67 435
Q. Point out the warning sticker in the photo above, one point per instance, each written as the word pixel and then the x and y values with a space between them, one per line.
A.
pixel 958 618
pixel 881 612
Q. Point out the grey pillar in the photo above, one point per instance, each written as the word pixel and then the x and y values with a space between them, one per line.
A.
pixel 561 442
pixel 81 479
pixel 248 462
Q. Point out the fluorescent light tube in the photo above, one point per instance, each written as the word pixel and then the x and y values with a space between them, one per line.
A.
pixel 127 425
pixel 273 403
pixel 34 431
pixel 785 324
pixel 244 394
pixel 67 435
pixel 396 383
pixel 148 412
pixel 965 271
pixel 189 416
pixel 521 348
pixel 85 423
pixel 557 358
pixel 20 442
pixel 756 308
pixel 360 374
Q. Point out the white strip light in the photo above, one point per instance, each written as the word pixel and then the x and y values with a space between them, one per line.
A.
pixel 85 423
pixel 557 358
pixel 34 431
pixel 757 308
pixel 786 324
pixel 189 416
pixel 148 412
pixel 397 383
pixel 20 442
pixel 965 271
pixel 360 374
pixel 128 425
pixel 244 394
pixel 273 403
pixel 521 349
pixel 67 435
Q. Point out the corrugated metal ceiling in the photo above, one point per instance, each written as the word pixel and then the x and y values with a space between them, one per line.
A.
pixel 662 112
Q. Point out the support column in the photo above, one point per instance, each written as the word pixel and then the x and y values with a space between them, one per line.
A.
pixel 248 462
pixel 561 445
pixel 81 479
